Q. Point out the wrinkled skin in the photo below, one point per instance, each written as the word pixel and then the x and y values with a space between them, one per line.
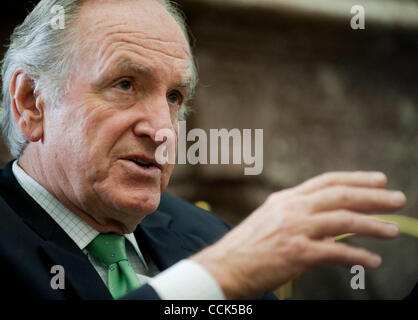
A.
pixel 130 80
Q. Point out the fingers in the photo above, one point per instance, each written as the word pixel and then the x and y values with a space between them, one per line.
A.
pixel 325 253
pixel 355 199
pixel 355 179
pixel 344 221
pixel 328 239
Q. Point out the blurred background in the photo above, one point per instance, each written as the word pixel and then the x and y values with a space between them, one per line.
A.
pixel 328 98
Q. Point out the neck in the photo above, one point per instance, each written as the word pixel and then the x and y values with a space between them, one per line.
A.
pixel 32 163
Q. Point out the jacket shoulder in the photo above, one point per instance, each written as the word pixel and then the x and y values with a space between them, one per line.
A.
pixel 193 219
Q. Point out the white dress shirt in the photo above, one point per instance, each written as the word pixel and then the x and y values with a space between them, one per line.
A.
pixel 186 280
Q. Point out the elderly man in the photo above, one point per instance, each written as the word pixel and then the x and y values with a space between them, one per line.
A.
pixel 82 106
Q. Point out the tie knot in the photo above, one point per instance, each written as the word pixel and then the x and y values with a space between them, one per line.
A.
pixel 108 248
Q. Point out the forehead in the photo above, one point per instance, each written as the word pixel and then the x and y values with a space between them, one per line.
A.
pixel 139 30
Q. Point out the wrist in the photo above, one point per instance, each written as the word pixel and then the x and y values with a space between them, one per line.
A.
pixel 217 263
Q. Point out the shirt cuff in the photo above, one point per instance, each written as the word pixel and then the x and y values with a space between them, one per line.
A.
pixel 186 280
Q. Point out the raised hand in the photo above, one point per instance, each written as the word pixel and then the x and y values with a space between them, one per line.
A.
pixel 292 232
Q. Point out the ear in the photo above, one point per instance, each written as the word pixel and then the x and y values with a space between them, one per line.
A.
pixel 26 108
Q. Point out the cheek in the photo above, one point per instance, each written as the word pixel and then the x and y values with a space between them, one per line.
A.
pixel 98 128
pixel 82 137
pixel 62 136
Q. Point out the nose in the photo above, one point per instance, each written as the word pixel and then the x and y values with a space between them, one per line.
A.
pixel 155 115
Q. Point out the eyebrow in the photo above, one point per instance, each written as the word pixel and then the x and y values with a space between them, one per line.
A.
pixel 129 65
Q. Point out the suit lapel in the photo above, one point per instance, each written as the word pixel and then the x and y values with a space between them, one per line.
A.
pixel 81 276
pixel 165 244
pixel 79 273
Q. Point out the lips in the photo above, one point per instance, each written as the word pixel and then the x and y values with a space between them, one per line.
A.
pixel 141 164
pixel 143 161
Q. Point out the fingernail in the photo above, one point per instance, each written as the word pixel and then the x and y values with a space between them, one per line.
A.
pixel 392 229
pixel 397 198
pixel 378 178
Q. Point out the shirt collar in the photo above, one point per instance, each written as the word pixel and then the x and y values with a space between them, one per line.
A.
pixel 75 227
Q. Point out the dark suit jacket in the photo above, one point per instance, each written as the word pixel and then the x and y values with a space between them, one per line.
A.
pixel 413 295
pixel 31 242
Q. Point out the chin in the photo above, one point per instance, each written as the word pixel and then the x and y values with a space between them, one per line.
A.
pixel 128 212
pixel 139 204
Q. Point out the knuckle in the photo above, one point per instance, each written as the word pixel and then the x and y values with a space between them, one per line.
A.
pixel 297 247
pixel 273 197
pixel 288 223
pixel 298 205
pixel 286 205
pixel 344 212
pixel 342 193
pixel 328 178
pixel 347 221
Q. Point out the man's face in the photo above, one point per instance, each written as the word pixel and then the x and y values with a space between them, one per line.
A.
pixel 132 77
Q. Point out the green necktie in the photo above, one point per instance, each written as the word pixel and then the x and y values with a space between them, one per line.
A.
pixel 110 250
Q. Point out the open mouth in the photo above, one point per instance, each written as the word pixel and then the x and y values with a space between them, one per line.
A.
pixel 142 164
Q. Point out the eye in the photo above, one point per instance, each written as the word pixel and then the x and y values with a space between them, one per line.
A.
pixel 125 85
pixel 175 97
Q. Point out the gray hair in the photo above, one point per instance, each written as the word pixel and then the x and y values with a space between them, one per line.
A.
pixel 47 56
